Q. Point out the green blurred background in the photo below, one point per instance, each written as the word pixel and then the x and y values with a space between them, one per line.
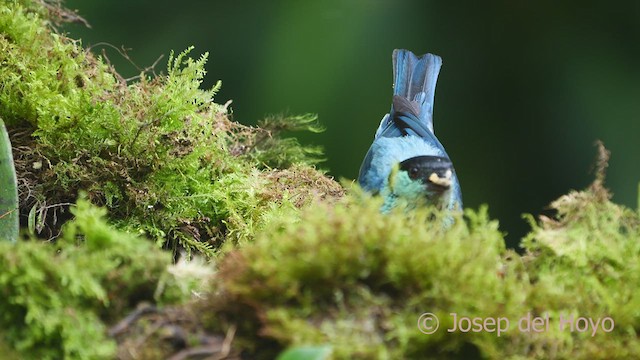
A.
pixel 525 90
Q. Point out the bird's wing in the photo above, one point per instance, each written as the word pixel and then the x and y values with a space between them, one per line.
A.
pixel 404 120
pixel 406 117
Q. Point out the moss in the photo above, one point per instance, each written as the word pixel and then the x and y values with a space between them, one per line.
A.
pixel 585 263
pixel 350 278
pixel 272 151
pixel 159 153
pixel 57 298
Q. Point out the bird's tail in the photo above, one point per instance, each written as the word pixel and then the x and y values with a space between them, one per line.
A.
pixel 414 78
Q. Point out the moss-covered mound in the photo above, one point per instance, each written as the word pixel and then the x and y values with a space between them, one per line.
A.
pixel 158 153
pixel 57 299
pixel 584 267
pixel 349 277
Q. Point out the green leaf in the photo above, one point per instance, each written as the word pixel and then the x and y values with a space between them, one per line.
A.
pixel 9 220
pixel 31 221
pixel 306 353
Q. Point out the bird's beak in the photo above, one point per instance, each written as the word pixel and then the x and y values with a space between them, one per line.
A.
pixel 436 172
pixel 440 181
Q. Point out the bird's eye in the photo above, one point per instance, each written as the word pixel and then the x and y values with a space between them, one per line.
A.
pixel 413 172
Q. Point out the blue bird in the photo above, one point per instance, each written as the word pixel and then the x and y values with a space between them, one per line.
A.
pixel 406 164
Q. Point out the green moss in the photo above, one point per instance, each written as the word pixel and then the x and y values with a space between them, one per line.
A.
pixel 159 153
pixel 272 151
pixel 349 277
pixel 585 263
pixel 57 298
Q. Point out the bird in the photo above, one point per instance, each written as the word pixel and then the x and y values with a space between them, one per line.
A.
pixel 406 164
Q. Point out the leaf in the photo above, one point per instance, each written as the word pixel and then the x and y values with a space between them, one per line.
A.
pixel 31 221
pixel 306 353
pixel 9 221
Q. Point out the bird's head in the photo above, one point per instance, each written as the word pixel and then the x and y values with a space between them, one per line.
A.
pixel 423 178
